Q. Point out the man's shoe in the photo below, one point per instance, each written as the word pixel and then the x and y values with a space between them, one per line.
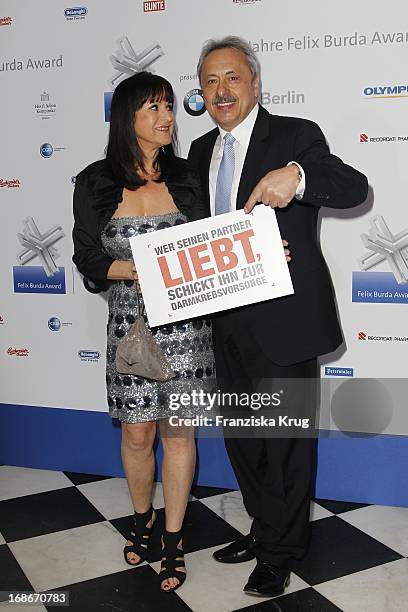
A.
pixel 267 580
pixel 236 552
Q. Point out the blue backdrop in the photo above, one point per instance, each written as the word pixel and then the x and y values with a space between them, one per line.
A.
pixel 367 469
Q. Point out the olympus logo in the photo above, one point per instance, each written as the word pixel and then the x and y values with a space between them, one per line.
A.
pixel 386 91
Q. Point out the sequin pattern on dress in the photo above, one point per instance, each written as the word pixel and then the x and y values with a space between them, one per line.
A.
pixel 187 344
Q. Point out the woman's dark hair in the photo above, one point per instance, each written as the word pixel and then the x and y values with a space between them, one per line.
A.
pixel 123 152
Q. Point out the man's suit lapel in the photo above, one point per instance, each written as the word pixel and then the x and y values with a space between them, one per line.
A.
pixel 205 161
pixel 259 145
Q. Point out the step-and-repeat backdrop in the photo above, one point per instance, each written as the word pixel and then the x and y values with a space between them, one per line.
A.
pixel 341 64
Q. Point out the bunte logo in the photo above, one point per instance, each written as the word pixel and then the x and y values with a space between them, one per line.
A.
pixel 155 5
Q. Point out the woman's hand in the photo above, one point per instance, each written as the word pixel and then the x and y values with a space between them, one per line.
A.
pixel 122 269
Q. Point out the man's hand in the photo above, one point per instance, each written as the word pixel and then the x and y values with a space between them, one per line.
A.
pixel 276 189
pixel 286 251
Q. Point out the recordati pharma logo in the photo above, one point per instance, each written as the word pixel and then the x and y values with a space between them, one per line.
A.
pixel 365 138
pixel 386 91
pixel 362 335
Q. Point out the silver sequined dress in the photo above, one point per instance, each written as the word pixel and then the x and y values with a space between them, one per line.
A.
pixel 188 344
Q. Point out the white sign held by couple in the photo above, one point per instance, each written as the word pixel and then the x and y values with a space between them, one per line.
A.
pixel 214 264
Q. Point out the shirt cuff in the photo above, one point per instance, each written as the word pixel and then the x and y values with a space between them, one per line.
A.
pixel 301 188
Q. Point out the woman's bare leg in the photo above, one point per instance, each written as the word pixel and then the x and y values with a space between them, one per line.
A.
pixel 138 463
pixel 177 475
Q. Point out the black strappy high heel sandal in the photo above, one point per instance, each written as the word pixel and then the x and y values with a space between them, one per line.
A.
pixel 172 559
pixel 140 536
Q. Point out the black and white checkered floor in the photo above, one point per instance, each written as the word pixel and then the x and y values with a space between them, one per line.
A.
pixel 65 531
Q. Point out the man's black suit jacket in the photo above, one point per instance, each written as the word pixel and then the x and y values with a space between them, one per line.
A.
pixel 304 325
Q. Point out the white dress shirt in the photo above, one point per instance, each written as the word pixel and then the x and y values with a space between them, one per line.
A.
pixel 242 134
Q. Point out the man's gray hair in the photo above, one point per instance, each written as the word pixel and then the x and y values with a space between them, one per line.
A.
pixel 230 42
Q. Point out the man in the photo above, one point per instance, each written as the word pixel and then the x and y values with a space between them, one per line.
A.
pixel 254 157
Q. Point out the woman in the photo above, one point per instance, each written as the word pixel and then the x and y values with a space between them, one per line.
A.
pixel 142 187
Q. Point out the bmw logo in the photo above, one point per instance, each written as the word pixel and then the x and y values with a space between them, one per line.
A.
pixel 46 150
pixel 54 324
pixel 194 102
